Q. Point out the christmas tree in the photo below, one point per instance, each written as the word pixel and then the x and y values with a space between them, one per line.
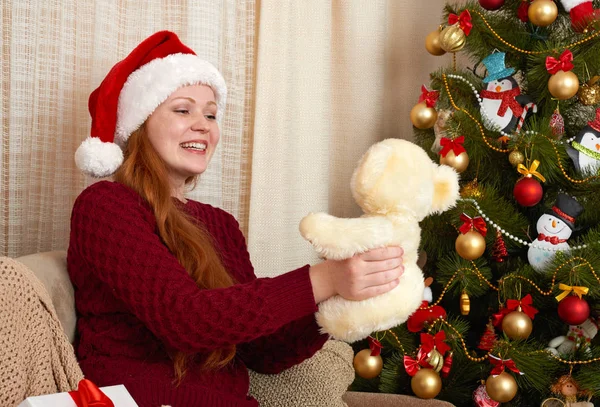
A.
pixel 515 265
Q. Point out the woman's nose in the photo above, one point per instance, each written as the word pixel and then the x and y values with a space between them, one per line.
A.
pixel 201 124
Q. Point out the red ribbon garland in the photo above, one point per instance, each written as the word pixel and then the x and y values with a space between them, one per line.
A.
pixel 469 223
pixel 454 145
pixel 508 101
pixel 375 346
pixel 563 63
pixel 429 342
pixel 412 366
pixel 89 395
pixel 501 364
pixel 463 20
pixel 429 96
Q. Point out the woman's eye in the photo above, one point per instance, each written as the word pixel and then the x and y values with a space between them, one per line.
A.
pixel 211 117
pixel 182 111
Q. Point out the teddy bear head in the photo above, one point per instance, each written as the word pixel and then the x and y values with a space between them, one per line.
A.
pixel 397 177
pixel 587 328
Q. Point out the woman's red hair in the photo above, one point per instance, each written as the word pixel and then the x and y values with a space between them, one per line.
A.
pixel 146 173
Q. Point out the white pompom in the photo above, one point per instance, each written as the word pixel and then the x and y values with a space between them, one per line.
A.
pixel 427 294
pixel 98 159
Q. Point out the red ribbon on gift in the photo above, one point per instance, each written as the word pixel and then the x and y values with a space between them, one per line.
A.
pixel 501 364
pixel 447 365
pixel 89 395
pixel 429 342
pixel 524 303
pixel 412 366
pixel 463 20
pixel 563 63
pixel 429 96
pixel 454 145
pixel 469 223
pixel 375 346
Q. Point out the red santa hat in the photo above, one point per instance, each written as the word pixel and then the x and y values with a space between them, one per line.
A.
pixel 582 13
pixel 133 89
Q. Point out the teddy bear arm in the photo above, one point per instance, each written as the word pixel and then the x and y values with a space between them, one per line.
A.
pixel 342 238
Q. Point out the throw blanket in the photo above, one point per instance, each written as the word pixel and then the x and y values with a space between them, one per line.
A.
pixel 35 354
pixel 319 381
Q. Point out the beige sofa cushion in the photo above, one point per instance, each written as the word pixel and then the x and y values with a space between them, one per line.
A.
pixel 51 269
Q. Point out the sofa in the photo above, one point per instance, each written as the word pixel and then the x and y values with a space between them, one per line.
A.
pixel 322 380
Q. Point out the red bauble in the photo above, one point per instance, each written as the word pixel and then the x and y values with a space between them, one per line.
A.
pixel 491 4
pixel 528 191
pixel 573 310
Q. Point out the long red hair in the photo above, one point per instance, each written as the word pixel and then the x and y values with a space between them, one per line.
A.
pixel 146 173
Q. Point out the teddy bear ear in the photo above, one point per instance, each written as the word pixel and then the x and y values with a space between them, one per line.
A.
pixel 446 189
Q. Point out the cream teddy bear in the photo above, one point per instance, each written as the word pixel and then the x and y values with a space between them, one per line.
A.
pixel 396 185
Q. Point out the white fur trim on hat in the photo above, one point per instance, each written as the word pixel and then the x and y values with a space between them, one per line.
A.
pixel 97 158
pixel 569 4
pixel 150 85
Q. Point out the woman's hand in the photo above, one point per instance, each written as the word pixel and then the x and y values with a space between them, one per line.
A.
pixel 360 277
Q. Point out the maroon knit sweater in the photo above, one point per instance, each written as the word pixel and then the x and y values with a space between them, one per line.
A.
pixel 136 305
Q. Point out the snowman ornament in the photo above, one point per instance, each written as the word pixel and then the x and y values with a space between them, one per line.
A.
pixel 585 149
pixel 502 106
pixel 554 229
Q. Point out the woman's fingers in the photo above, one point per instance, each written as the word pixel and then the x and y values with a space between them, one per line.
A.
pixel 382 253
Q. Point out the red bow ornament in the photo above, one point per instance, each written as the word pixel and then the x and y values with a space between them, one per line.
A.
pixel 430 342
pixel 563 63
pixel 412 366
pixel 454 145
pixel 501 364
pixel 375 346
pixel 524 303
pixel 430 97
pixel 463 20
pixel 469 223
pixel 89 395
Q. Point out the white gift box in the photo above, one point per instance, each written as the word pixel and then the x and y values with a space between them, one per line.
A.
pixel 117 394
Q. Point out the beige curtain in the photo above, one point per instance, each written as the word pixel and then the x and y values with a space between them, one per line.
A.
pixel 53 53
pixel 332 79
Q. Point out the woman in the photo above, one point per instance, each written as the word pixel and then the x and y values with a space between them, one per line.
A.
pixel 167 300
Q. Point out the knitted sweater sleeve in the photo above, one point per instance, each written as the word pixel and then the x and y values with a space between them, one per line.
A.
pixel 286 347
pixel 113 232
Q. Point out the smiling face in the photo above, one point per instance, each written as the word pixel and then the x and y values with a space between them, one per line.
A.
pixel 552 226
pixel 184 132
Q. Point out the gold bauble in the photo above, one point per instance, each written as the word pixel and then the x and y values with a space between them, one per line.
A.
pixel 470 246
pixel 432 43
pixel 517 325
pixel 426 384
pixel 458 162
pixel 452 38
pixel 542 12
pixel 516 157
pixel 367 366
pixel 423 117
pixel 563 85
pixel 465 303
pixel 589 93
pixel 502 388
